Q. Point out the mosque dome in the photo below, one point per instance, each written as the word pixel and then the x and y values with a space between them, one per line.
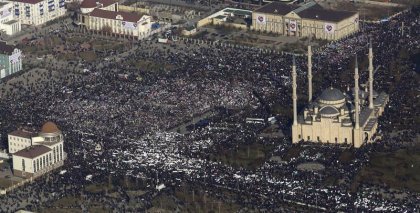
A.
pixel 49 127
pixel 329 111
pixel 332 94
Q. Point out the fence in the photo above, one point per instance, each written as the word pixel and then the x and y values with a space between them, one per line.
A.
pixel 218 43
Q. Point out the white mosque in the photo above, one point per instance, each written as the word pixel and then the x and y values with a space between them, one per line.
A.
pixel 35 153
pixel 335 117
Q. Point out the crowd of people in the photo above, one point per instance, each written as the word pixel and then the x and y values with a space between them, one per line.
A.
pixel 133 114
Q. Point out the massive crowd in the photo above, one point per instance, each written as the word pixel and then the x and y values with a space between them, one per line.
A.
pixel 134 117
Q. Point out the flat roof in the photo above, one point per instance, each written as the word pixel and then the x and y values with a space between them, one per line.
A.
pixel 11 22
pixel 28 1
pixel 23 133
pixel 131 17
pixel 277 8
pixel 32 151
pixel 309 10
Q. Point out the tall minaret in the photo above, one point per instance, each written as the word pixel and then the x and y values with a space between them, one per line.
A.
pixel 356 94
pixel 310 73
pixel 370 75
pixel 294 92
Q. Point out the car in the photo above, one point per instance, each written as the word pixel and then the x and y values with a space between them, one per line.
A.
pixel 106 59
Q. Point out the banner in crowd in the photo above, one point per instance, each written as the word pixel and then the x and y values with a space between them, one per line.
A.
pixel 329 28
pixel 260 19
pixel 292 25
pixel 129 25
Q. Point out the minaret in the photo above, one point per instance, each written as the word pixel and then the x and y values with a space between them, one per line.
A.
pixel 294 92
pixel 370 75
pixel 356 94
pixel 310 73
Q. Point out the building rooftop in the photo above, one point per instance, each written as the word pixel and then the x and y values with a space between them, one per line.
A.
pixel 310 10
pixel 28 1
pixel 32 151
pixel 10 22
pixel 364 116
pixel 23 133
pixel 93 3
pixel 325 14
pixel 131 17
pixel 277 8
pixel 5 48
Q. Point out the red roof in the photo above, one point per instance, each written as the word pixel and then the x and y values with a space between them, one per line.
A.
pixel 23 133
pixel 92 3
pixel 32 151
pixel 88 4
pixel 28 1
pixel 131 17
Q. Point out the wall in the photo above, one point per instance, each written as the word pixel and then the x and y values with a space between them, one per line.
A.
pixel 133 9
pixel 18 143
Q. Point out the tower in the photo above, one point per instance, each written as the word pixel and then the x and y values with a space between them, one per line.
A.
pixel 309 74
pixel 295 137
pixel 370 75
pixel 356 130
pixel 294 93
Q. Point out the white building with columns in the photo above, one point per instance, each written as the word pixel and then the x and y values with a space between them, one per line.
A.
pixel 103 16
pixel 34 155
pixel 336 117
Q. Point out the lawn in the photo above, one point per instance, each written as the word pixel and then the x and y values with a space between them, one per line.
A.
pixel 400 169
pixel 88 56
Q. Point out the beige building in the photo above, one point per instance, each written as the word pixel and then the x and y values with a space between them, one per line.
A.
pixel 104 17
pixel 37 12
pixel 308 20
pixel 35 154
pixel 336 117
pixel 8 24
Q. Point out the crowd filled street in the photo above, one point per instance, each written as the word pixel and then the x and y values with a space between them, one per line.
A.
pixel 130 111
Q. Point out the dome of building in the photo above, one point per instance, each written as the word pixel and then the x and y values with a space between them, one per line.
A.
pixel 49 127
pixel 88 4
pixel 329 111
pixel 332 94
